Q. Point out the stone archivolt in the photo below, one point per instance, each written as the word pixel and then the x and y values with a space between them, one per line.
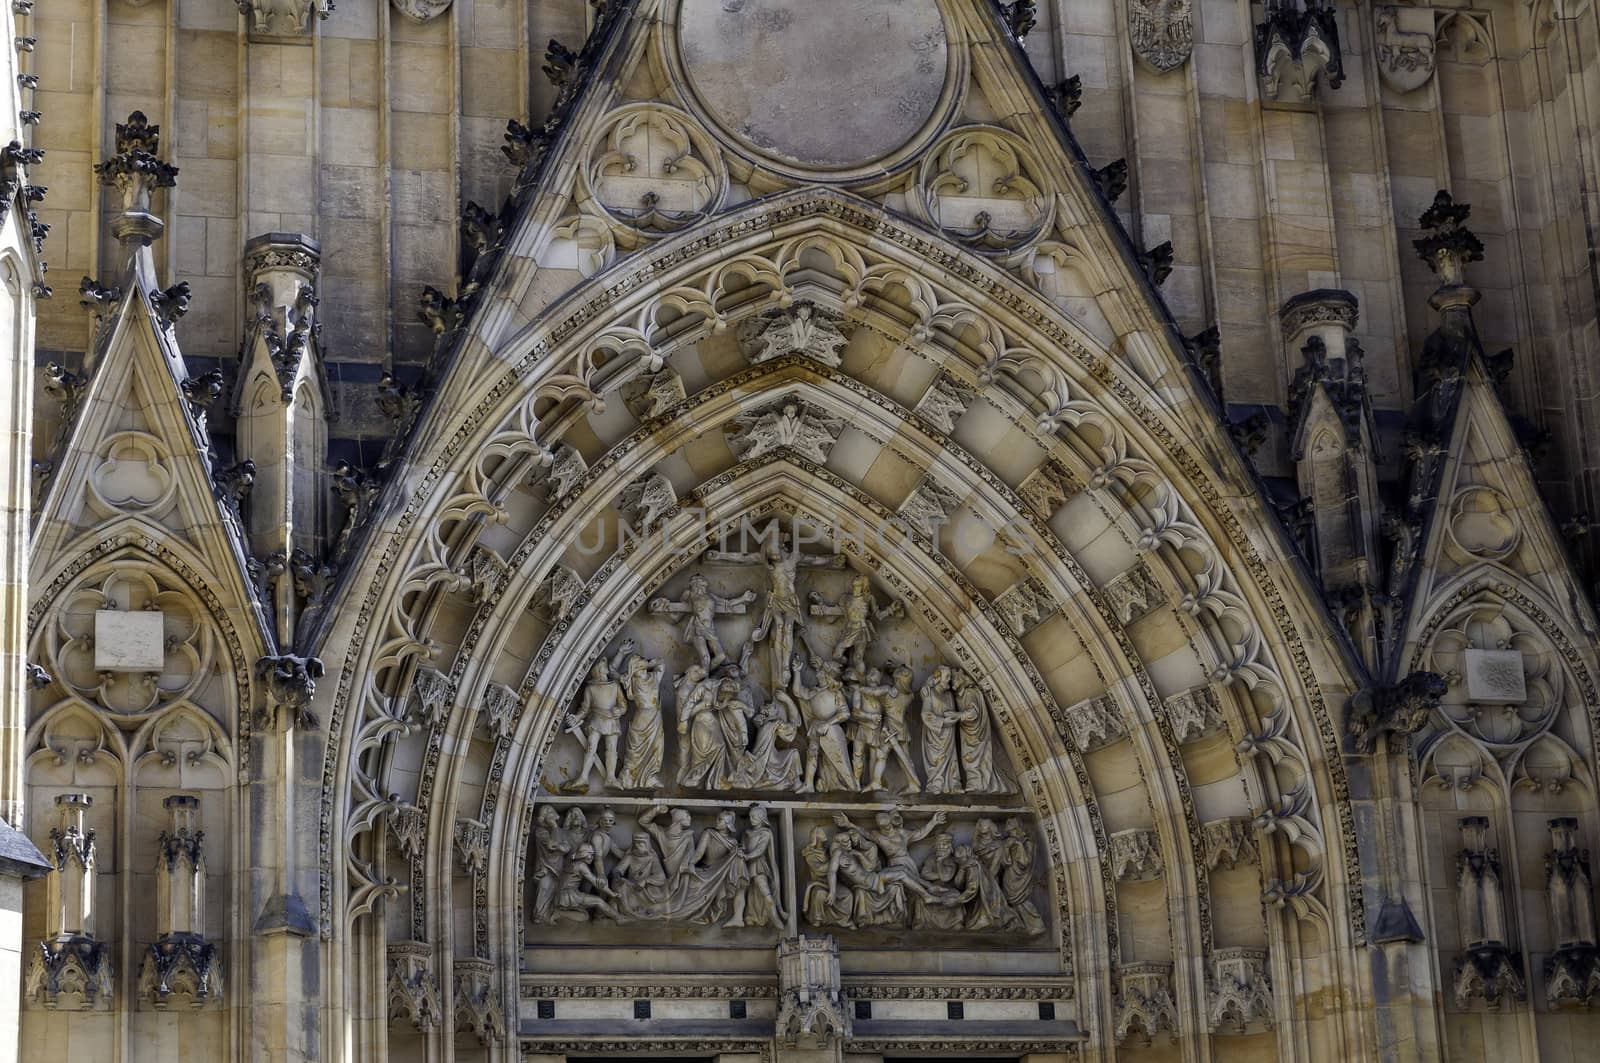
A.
pixel 1163 525
pixel 1096 428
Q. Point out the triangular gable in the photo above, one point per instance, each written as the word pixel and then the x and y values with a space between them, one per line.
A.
pixel 629 157
pixel 1488 518
pixel 136 449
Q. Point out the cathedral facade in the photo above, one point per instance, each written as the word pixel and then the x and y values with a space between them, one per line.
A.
pixel 785 532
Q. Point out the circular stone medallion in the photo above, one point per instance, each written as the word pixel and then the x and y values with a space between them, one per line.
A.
pixel 818 84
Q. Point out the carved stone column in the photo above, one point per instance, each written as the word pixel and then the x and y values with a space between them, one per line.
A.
pixel 813 1018
pixel 181 962
pixel 70 968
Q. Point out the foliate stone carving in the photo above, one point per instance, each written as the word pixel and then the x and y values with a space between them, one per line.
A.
pixel 181 967
pixel 653 171
pixel 1094 722
pixel 560 591
pixel 1025 605
pixel 1402 709
pixel 1135 855
pixel 483 570
pixel 789 424
pixel 1048 488
pixel 648 499
pixel 70 968
pixel 943 404
pixel 1161 32
pixel 500 708
pixel 1403 46
pixel 477 1000
pixel 1316 308
pixel 1486 971
pixel 431 694
pixel 283 18
pixel 1572 972
pixel 100 301
pixel 1241 991
pixel 1296 45
pixel 978 184
pixel 566 468
pixel 412 992
pixel 136 173
pixel 1448 245
pixel 1229 843
pixel 650 396
pixel 409 824
pixel 472 845
pixel 804 329
pixel 929 506
pixel 1133 593
pixel 290 686
pixel 1194 713
pixel 812 1011
pixel 1144 1002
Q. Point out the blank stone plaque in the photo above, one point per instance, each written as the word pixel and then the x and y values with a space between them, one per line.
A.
pixel 1495 677
pixel 129 641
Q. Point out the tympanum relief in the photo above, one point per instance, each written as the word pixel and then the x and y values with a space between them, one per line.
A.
pixel 771 743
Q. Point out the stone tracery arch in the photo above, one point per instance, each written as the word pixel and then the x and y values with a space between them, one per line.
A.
pixel 1091 419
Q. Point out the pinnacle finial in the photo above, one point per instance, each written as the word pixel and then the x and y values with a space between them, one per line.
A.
pixel 1449 245
pixel 137 173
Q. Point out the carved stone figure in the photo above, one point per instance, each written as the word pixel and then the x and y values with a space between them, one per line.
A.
pixel 781 614
pixel 766 765
pixel 894 735
pixel 549 858
pixel 976 739
pixel 758 904
pixel 940 755
pixel 583 893
pixel 702 749
pixel 824 709
pixel 858 614
pixel 639 879
pixel 868 749
pixel 700 606
pixel 1016 876
pixel 1569 887
pixel 947 910
pixel 646 745
pixel 598 720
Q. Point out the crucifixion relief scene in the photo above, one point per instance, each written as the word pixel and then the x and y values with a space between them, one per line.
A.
pixel 800 531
